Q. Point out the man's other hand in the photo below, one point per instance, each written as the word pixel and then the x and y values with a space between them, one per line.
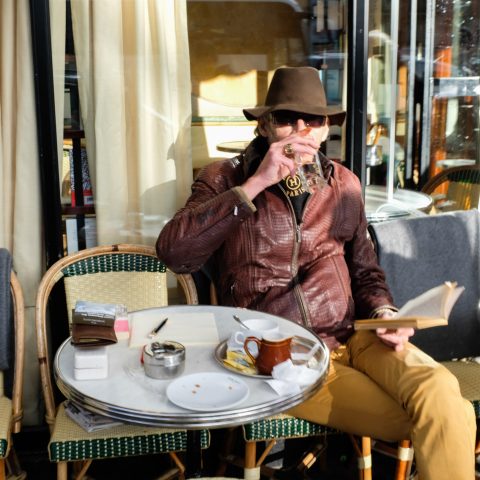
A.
pixel 396 337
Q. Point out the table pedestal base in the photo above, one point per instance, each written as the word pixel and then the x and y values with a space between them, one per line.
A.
pixel 193 461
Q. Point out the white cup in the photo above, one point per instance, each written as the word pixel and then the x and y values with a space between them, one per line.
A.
pixel 257 327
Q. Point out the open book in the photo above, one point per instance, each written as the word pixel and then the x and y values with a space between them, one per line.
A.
pixel 430 309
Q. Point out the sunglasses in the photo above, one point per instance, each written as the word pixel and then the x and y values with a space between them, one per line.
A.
pixel 283 118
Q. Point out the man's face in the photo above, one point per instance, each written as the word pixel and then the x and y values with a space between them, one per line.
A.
pixel 283 123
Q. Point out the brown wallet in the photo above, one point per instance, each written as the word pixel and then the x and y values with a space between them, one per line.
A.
pixel 84 335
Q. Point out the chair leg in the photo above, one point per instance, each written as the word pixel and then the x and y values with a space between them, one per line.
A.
pixel 177 461
pixel 404 460
pixel 251 471
pixel 172 474
pixel 62 471
pixel 365 462
pixel 2 469
pixel 364 457
pixel 13 468
pixel 80 468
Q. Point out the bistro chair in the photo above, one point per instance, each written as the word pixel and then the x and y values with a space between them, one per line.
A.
pixel 11 389
pixel 271 429
pixel 455 188
pixel 431 250
pixel 126 274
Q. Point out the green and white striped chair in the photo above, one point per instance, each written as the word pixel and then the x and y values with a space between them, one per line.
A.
pixel 270 430
pixel 126 274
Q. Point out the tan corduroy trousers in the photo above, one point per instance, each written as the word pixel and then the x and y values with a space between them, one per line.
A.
pixel 371 390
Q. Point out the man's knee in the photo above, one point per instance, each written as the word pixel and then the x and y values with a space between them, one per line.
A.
pixel 436 391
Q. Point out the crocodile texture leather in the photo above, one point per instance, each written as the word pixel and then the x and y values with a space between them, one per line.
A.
pixel 322 272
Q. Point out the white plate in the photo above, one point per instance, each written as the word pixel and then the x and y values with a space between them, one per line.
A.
pixel 207 392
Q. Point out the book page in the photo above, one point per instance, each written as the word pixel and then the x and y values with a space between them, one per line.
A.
pixel 452 299
pixel 430 309
pixel 436 302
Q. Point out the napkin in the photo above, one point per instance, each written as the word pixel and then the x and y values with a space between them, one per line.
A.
pixel 288 379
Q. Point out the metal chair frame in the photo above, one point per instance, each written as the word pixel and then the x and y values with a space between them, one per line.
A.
pixel 466 174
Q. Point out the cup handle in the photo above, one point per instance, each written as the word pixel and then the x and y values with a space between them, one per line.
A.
pixel 247 351
pixel 239 337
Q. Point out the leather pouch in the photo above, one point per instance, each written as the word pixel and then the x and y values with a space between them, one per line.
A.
pixel 84 335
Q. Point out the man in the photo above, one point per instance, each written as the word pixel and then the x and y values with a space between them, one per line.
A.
pixel 273 247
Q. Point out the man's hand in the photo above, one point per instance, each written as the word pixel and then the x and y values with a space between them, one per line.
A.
pixel 277 165
pixel 395 338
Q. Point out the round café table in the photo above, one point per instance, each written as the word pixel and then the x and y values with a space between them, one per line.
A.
pixel 237 146
pixel 128 395
pixel 404 203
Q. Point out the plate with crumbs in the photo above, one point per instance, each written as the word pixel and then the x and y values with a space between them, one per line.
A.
pixel 208 391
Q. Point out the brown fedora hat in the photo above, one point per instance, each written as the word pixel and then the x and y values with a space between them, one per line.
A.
pixel 298 89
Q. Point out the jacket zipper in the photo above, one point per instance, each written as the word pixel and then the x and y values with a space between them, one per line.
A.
pixel 344 290
pixel 294 265
pixel 345 294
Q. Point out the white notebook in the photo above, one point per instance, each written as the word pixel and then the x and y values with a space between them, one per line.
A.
pixel 185 328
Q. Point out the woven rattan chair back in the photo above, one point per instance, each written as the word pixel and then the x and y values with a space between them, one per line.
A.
pixel 455 188
pixel 11 410
pixel 127 274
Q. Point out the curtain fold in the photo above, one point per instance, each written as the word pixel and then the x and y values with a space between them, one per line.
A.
pixel 134 86
pixel 20 215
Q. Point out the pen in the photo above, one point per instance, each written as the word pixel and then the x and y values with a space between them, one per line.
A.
pixel 154 332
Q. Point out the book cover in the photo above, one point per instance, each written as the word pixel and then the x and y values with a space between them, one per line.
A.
pixel 430 309
pixel 91 313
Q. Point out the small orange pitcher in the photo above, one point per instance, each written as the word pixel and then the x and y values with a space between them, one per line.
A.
pixel 271 351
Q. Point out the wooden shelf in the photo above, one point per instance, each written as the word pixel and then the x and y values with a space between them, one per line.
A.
pixel 71 133
pixel 80 210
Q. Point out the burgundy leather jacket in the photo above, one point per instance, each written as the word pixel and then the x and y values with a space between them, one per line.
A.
pixel 321 272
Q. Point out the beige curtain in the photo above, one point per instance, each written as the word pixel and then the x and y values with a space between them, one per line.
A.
pixel 20 215
pixel 134 84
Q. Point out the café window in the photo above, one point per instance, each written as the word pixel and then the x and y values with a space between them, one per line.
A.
pixel 235 46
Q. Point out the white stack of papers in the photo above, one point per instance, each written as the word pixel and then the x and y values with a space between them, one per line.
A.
pixel 185 328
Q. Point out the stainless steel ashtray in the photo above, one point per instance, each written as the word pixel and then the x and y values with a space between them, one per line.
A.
pixel 164 360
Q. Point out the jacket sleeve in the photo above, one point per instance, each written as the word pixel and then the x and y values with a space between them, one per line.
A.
pixel 213 212
pixel 369 288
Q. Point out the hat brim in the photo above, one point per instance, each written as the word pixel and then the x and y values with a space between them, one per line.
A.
pixel 334 113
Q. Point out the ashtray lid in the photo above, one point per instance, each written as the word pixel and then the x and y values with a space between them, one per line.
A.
pixel 166 353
